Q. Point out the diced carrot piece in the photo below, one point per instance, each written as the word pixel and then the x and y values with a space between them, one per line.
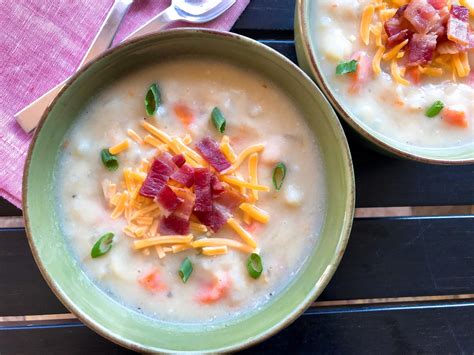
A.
pixel 414 75
pixel 152 282
pixel 215 291
pixel 362 74
pixel 253 226
pixel 455 117
pixel 184 113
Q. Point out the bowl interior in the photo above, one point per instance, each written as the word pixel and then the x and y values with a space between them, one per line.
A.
pixel 309 60
pixel 121 324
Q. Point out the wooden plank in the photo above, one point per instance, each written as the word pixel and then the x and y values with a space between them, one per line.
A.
pixel 397 257
pixel 267 15
pixel 393 257
pixel 431 328
pixel 7 209
pixel 24 290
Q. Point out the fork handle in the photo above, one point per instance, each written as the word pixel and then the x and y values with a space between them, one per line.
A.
pixel 29 116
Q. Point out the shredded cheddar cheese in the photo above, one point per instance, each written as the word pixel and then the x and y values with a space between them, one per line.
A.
pixel 396 74
pixel 239 182
pixel 162 136
pixel 392 53
pixel 217 250
pixel 162 240
pixel 134 135
pixel 180 247
pixel 209 242
pixel 253 173
pixel 246 237
pixel 376 61
pixel 154 142
pixel 243 155
pixel 178 147
pixel 255 212
pixel 227 149
pixel 367 15
pixel 431 71
pixel 120 147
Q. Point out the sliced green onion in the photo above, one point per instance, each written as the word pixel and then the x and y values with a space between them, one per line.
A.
pixel 279 173
pixel 185 269
pixel 103 245
pixel 434 109
pixel 254 265
pixel 110 161
pixel 218 119
pixel 152 99
pixel 346 67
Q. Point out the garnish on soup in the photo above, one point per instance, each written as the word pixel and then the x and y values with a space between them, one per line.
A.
pixel 414 41
pixel 178 199
pixel 103 245
pixel 152 99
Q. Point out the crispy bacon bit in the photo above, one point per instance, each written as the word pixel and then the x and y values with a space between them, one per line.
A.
pixel 230 200
pixel 178 221
pixel 168 199
pixel 422 48
pixel 156 179
pixel 399 38
pixel 458 26
pixel 179 160
pixel 216 186
pixel 167 158
pixel 209 149
pixel 422 16
pixel 214 219
pixel 397 23
pixel 184 175
pixel 174 225
pixel 202 186
pixel 438 4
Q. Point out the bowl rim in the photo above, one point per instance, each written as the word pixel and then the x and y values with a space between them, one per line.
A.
pixel 302 27
pixel 316 290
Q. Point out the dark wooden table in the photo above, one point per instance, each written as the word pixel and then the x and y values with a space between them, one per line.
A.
pixel 405 284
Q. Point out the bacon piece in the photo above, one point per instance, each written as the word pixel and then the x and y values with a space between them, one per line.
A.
pixel 179 160
pixel 398 38
pixel 202 187
pixel 216 186
pixel 397 23
pixel 458 26
pixel 422 16
pixel 209 149
pixel 422 48
pixel 214 219
pixel 167 199
pixel 178 221
pixel 229 200
pixel 155 186
pixel 184 175
pixel 156 179
pixel 438 4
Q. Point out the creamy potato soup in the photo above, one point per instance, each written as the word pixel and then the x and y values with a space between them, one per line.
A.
pixel 403 67
pixel 191 190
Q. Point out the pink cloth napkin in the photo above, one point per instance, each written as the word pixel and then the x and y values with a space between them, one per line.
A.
pixel 41 44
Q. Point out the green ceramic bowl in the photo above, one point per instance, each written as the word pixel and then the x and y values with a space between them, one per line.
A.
pixel 123 325
pixel 308 59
